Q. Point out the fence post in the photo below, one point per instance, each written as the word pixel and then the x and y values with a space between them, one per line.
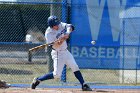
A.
pixel 64 19
pixel 62 14
pixel 57 12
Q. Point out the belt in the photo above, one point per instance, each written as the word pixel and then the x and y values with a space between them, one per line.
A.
pixel 53 48
pixel 58 50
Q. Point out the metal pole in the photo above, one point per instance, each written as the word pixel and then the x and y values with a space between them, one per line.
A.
pixel 55 9
pixel 61 12
pixel 64 19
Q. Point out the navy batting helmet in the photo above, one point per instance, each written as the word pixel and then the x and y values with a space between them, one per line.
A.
pixel 53 21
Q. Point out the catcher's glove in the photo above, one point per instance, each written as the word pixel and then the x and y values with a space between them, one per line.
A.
pixel 3 84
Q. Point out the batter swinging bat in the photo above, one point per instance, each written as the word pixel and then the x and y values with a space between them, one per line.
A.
pixel 44 45
pixel 40 47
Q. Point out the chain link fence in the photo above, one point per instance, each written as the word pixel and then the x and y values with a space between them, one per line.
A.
pixel 20 20
pixel 23 25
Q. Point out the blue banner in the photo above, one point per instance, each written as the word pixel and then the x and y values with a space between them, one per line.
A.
pixel 104 22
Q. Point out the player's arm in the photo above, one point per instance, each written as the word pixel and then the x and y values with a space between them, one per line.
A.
pixel 61 40
pixel 69 28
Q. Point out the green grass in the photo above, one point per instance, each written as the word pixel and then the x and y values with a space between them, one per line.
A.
pixel 24 73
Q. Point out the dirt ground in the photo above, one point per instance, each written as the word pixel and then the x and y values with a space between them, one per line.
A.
pixel 66 90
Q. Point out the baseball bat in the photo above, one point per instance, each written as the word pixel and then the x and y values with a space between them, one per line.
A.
pixel 40 47
pixel 36 48
pixel 44 45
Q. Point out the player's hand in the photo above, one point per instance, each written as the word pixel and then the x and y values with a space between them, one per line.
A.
pixel 66 36
pixel 62 39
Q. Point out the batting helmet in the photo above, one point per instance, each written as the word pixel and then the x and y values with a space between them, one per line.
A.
pixel 53 21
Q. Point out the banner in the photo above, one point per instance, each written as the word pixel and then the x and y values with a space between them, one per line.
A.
pixel 102 21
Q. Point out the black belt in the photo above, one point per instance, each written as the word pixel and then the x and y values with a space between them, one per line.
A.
pixel 59 50
pixel 53 48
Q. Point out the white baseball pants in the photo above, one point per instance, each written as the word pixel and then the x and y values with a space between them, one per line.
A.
pixel 60 58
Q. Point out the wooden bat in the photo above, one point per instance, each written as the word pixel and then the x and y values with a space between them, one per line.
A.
pixel 42 46
pixel 39 47
pixel 36 48
pixel 47 44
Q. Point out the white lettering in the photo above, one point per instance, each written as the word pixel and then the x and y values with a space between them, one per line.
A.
pixel 93 52
pixel 119 53
pixel 84 52
pixel 130 53
pixel 114 7
pixel 95 12
pixel 110 52
pixel 101 52
pixel 75 51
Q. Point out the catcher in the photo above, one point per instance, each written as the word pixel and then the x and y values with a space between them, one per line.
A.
pixel 3 84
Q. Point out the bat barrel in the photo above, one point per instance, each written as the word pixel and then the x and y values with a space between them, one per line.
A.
pixel 34 49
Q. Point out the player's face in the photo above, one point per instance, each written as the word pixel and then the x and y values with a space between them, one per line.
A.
pixel 56 27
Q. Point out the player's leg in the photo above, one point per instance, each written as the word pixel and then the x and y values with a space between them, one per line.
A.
pixel 79 76
pixel 72 64
pixel 36 81
pixel 52 74
pixel 75 69
pixel 58 67
pixel 58 64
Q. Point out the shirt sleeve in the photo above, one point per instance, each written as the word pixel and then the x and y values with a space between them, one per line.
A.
pixel 67 27
pixel 49 37
pixel 63 25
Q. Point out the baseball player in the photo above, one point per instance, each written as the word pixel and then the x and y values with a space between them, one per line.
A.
pixel 60 31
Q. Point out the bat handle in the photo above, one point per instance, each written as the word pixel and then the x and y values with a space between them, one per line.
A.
pixel 30 56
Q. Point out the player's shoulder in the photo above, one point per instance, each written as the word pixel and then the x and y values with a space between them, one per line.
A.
pixel 63 24
pixel 48 30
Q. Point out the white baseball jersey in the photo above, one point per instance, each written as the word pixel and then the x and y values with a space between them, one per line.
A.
pixel 60 55
pixel 52 35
